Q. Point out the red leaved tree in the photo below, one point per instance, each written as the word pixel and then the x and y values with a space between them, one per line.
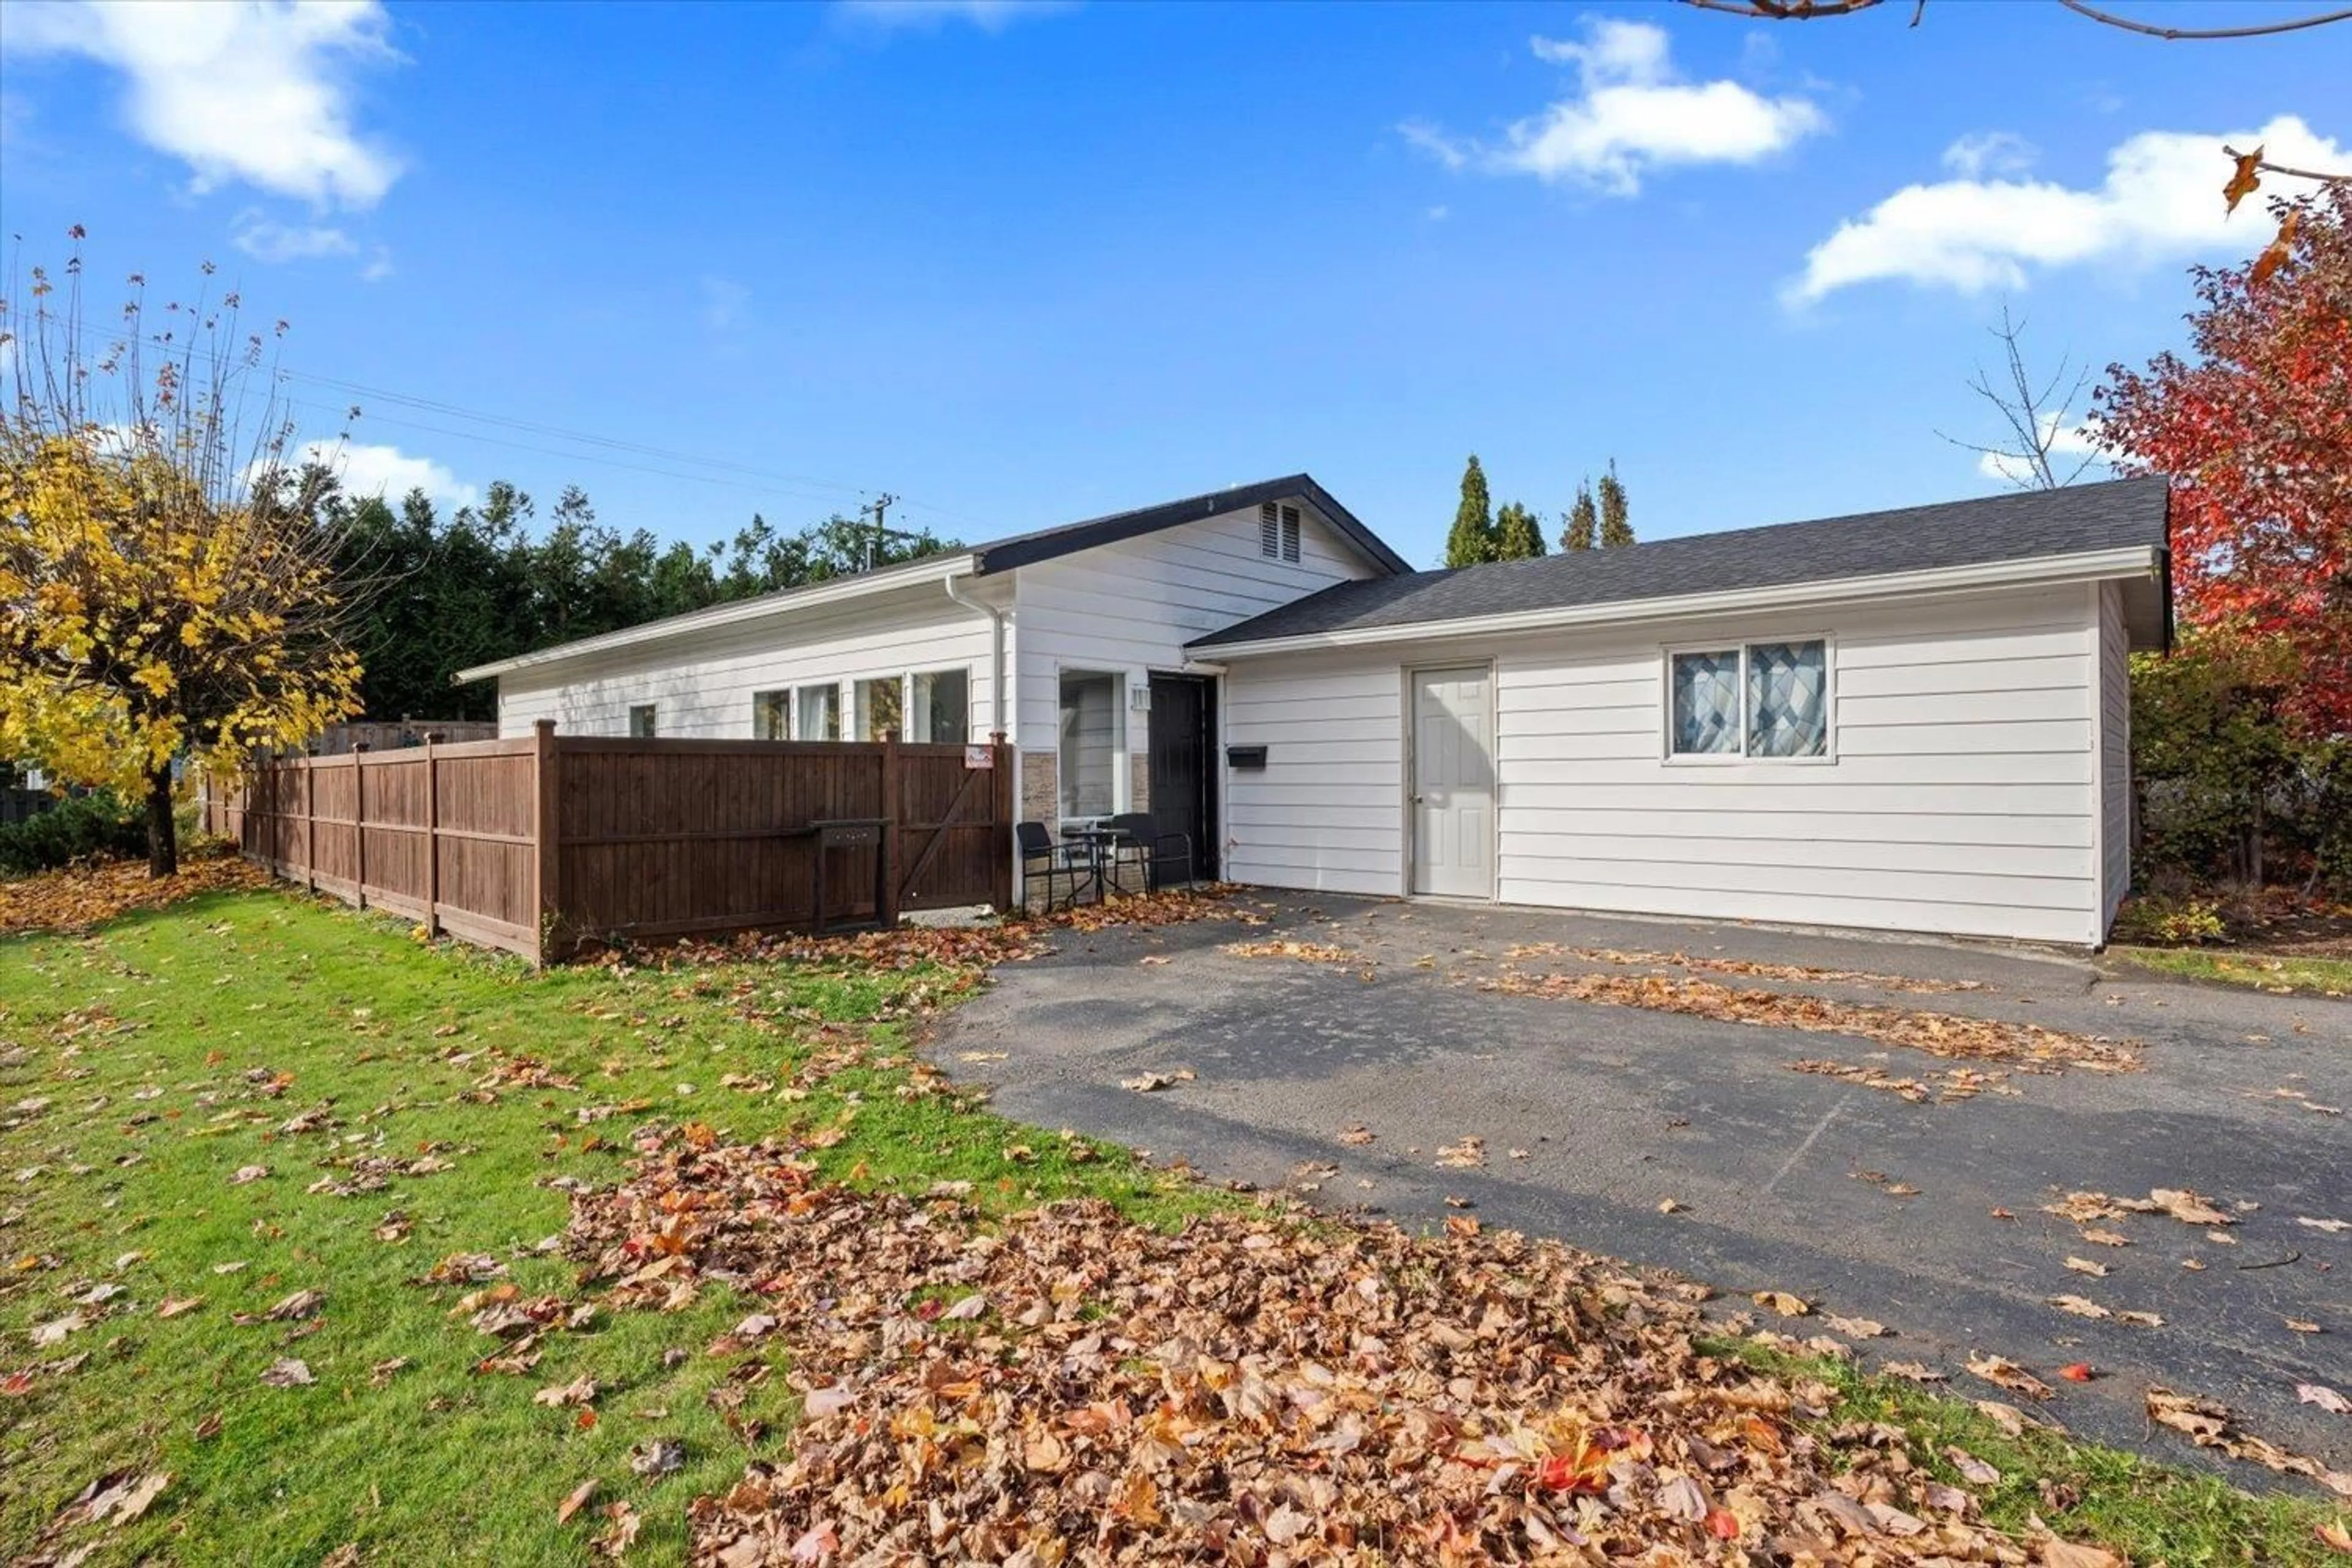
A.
pixel 2255 428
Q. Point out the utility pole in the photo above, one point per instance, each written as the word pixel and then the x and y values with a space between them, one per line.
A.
pixel 880 511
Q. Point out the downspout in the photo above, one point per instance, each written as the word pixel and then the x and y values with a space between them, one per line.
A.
pixel 997 732
pixel 995 657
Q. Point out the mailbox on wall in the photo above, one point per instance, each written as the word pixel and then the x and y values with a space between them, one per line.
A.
pixel 1249 757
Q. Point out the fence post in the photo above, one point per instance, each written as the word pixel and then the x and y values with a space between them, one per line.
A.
pixel 431 845
pixel 546 849
pixel 309 820
pixel 894 802
pixel 358 816
pixel 1001 814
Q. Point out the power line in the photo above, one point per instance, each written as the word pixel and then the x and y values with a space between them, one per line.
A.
pixel 774 485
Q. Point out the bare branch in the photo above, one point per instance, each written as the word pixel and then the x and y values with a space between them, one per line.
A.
pixel 2036 416
pixel 1791 10
pixel 1810 10
pixel 2251 30
pixel 2264 165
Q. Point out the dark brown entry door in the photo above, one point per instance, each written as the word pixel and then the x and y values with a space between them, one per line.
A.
pixel 1184 763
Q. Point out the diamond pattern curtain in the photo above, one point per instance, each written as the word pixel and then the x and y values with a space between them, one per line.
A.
pixel 1706 702
pixel 1787 699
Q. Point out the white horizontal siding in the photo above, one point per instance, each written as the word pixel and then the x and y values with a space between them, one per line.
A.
pixel 701 686
pixel 2115 754
pixel 1327 813
pixel 1963 796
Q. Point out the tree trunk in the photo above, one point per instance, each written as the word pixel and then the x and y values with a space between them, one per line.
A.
pixel 162 832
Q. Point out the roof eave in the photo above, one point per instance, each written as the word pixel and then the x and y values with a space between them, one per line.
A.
pixel 732 613
pixel 2091 566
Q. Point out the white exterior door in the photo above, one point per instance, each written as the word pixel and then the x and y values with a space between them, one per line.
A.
pixel 1453 798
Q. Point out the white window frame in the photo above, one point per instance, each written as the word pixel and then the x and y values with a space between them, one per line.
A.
pixel 800 727
pixel 784 694
pixel 856 708
pixel 906 700
pixel 1122 792
pixel 1739 758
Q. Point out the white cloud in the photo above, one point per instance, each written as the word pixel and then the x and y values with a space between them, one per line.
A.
pixel 255 90
pixel 1632 115
pixel 266 240
pixel 1439 213
pixel 387 472
pixel 2068 447
pixel 1982 152
pixel 2161 200
pixel 379 267
pixel 926 16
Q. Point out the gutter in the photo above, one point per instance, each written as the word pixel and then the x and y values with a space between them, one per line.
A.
pixel 2131 561
pixel 913 572
pixel 995 657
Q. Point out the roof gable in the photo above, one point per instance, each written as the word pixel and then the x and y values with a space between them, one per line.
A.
pixel 1067 538
pixel 2075 521
pixel 999 555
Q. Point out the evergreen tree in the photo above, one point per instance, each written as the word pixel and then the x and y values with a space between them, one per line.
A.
pixel 1518 534
pixel 1614 529
pixel 1583 521
pixel 1472 539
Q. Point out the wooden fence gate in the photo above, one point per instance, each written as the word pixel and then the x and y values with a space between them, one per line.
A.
pixel 540 843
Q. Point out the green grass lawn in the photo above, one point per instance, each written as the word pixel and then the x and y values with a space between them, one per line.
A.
pixel 2315 976
pixel 2158 1513
pixel 171 1047
pixel 145 1066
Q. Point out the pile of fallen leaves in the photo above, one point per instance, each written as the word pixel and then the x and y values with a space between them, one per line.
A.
pixel 948 946
pixel 2030 1047
pixel 1743 967
pixel 1065 1385
pixel 80 898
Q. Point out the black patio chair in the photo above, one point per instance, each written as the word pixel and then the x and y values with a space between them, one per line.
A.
pixel 1041 859
pixel 1140 833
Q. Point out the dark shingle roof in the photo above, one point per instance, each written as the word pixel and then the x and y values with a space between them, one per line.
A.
pixel 2074 520
pixel 1027 549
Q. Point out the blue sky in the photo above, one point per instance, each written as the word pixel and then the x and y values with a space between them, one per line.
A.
pixel 1025 264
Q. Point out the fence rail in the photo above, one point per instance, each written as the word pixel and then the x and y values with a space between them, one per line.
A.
pixel 540 843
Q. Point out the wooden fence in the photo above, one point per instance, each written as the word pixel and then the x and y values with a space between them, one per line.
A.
pixel 540 843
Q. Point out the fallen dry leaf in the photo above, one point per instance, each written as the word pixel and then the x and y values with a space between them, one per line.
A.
pixel 575 1500
pixel 2187 1208
pixel 2326 1398
pixel 288 1372
pixel 2085 1266
pixel 2006 1373
pixel 1782 1302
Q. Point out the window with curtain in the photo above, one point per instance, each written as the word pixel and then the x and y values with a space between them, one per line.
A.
pixel 879 705
pixel 942 710
pixel 771 713
pixel 820 712
pixel 641 721
pixel 1764 700
pixel 1091 720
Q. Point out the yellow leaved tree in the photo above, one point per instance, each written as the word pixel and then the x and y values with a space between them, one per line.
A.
pixel 167 574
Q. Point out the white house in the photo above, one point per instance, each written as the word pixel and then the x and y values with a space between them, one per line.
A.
pixel 1910 721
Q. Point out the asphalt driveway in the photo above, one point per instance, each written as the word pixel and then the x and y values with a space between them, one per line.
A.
pixel 1926 1217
